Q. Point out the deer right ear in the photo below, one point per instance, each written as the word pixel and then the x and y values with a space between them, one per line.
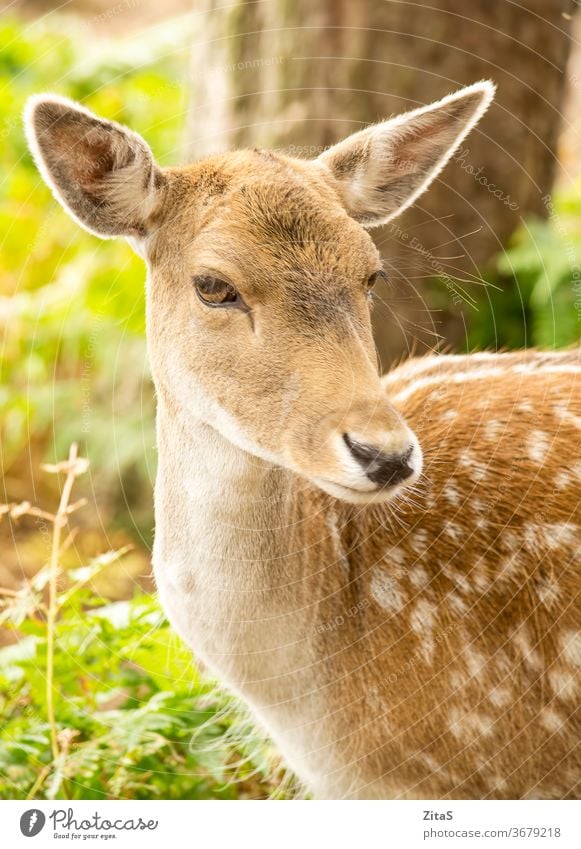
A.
pixel 381 170
pixel 103 174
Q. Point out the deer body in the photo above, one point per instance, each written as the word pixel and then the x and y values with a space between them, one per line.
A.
pixel 385 569
pixel 424 651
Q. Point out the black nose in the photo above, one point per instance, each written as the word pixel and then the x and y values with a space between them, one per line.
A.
pixel 382 469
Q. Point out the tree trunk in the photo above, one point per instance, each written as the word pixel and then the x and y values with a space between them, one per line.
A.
pixel 302 75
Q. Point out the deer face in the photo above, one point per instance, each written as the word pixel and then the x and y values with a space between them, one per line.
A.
pixel 260 272
pixel 259 322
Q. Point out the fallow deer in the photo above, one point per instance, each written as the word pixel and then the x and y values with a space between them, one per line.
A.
pixel 402 627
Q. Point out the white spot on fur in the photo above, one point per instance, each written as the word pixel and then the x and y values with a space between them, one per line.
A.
pixel 430 500
pixel 563 480
pixel 457 604
pixel 473 724
pixel 531 534
pixel 500 697
pixel 423 383
pixel 386 591
pixel 493 430
pixel 570 418
pixel 546 368
pixel 511 540
pixel 419 578
pixel 466 459
pixel 458 679
pixel 422 622
pixel 457 578
pixel 571 643
pixel 498 366
pixel 395 557
pixel 551 720
pixel 509 566
pixel 565 683
pixel 562 533
pixel 452 494
pixel 440 364
pixel 551 535
pixel 430 762
pixel 475 661
pixel 531 656
pixel 479 471
pixel 454 531
pixel 547 590
pixel 483 724
pixel 537 444
pixel 419 541
pixel 456 722
pixel 496 782
pixel 502 663
pixel 480 577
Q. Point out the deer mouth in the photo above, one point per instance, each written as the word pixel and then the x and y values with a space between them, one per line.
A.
pixel 365 494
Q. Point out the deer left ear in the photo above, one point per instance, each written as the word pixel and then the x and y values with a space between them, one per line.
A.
pixel 381 170
pixel 102 173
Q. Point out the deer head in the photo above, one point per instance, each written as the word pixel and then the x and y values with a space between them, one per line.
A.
pixel 260 269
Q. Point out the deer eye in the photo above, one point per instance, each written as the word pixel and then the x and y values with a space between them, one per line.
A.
pixel 216 293
pixel 375 278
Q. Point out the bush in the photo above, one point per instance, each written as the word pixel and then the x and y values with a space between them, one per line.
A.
pixel 535 299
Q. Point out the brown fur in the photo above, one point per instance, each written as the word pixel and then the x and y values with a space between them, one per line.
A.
pixel 459 685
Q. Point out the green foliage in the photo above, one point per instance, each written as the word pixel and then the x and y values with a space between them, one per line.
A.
pixel 538 299
pixel 135 718
pixel 71 305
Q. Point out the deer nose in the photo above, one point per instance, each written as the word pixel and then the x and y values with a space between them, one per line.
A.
pixel 382 469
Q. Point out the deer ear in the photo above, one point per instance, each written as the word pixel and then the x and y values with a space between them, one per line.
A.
pixel 383 169
pixel 103 174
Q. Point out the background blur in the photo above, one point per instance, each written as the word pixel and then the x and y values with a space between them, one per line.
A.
pixel 490 257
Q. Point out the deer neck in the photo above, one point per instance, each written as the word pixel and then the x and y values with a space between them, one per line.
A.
pixel 223 553
pixel 253 573
pixel 224 503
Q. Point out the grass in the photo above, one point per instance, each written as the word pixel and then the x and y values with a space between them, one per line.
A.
pixel 101 700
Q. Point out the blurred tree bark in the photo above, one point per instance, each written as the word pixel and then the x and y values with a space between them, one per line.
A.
pixel 302 75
